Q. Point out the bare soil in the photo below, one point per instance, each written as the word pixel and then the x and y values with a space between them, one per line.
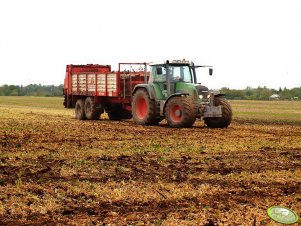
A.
pixel 57 170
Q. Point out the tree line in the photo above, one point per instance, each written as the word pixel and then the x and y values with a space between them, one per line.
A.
pixel 31 90
pixel 261 93
pixel 249 93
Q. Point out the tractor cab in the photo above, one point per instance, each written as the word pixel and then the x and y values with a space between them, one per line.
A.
pixel 170 78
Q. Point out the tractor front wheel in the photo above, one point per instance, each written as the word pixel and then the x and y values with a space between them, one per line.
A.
pixel 225 120
pixel 80 109
pixel 179 112
pixel 143 108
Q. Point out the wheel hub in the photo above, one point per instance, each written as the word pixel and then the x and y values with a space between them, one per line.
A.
pixel 178 113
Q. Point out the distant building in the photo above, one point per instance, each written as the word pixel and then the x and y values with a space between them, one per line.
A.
pixel 274 97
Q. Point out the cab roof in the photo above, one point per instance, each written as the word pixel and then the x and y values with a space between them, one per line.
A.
pixel 172 62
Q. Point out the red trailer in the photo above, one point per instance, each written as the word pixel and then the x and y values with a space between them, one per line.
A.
pixel 93 88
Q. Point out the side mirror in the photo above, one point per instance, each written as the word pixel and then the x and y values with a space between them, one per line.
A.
pixel 159 70
pixel 210 71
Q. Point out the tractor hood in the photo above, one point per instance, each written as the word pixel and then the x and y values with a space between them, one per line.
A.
pixel 201 89
pixel 183 87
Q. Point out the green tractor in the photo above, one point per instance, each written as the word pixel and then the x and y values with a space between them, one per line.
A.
pixel 172 93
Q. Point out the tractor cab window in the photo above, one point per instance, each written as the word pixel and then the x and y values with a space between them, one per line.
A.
pixel 159 74
pixel 177 73
pixel 181 73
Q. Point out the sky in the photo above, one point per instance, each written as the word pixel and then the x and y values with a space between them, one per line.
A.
pixel 249 43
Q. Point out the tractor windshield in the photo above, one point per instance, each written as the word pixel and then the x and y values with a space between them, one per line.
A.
pixel 178 73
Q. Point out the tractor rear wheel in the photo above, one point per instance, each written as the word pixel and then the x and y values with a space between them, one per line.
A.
pixel 143 108
pixel 92 110
pixel 179 112
pixel 80 109
pixel 225 120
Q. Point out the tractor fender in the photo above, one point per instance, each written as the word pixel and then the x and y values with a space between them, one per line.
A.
pixel 148 88
pixel 171 96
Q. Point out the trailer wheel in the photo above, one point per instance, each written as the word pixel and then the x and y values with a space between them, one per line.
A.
pixel 225 120
pixel 92 110
pixel 80 109
pixel 179 112
pixel 143 108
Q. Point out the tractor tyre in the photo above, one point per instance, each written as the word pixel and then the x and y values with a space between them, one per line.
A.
pixel 144 108
pixel 180 112
pixel 80 109
pixel 92 110
pixel 225 120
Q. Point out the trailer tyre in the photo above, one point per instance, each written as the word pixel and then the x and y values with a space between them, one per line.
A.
pixel 179 112
pixel 143 108
pixel 225 120
pixel 92 110
pixel 80 109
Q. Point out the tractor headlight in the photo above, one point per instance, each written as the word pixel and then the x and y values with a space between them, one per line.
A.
pixel 201 97
pixel 208 96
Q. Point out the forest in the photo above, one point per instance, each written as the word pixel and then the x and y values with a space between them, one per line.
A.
pixel 31 90
pixel 261 93
pixel 249 93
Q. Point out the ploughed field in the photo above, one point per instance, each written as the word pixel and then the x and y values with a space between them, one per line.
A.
pixel 57 170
